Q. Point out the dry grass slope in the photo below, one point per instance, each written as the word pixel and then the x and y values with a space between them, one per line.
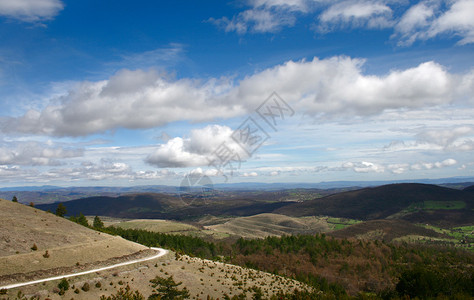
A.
pixel 263 225
pixel 67 243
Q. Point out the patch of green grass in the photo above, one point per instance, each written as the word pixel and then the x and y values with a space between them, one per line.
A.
pixel 444 204
pixel 340 223
pixel 463 233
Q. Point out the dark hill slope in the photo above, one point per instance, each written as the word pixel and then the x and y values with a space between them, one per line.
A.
pixel 122 206
pixel 469 189
pixel 160 206
pixel 376 203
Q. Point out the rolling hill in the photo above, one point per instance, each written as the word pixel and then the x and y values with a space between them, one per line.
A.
pixel 386 230
pixel 413 202
pixel 262 225
pixel 162 206
pixel 384 201
pixel 34 241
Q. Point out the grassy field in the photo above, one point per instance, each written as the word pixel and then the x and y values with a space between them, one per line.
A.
pixel 444 204
pixel 461 236
pixel 340 223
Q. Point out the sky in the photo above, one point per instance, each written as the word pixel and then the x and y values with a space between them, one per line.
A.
pixel 120 93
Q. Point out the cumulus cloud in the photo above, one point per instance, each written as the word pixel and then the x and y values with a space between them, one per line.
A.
pixel 201 148
pixel 364 167
pixel 129 99
pixel 330 87
pixel 337 86
pixel 30 10
pixel 430 165
pixel 36 154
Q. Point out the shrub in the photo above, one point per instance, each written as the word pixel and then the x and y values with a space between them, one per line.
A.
pixel 46 254
pixel 63 286
pixel 86 287
pixel 34 247
pixel 167 288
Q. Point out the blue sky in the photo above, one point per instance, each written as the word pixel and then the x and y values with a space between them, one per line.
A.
pixel 120 93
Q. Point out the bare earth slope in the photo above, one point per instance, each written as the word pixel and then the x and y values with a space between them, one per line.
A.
pixel 67 243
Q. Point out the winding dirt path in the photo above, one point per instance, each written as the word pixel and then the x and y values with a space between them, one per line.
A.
pixel 161 252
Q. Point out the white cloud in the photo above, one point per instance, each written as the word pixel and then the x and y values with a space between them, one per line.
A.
pixel 370 14
pixel 255 20
pixel 250 174
pixel 458 20
pixel 330 87
pixel 197 150
pixel 35 154
pixel 398 168
pixel 337 86
pixel 30 10
pixel 105 169
pixel 364 167
pixel 428 19
pixel 411 21
pixel 264 16
pixel 416 18
pixel 448 139
pixel 129 99
pixel 430 165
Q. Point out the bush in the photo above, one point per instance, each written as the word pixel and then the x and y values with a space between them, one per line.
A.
pixel 86 287
pixel 34 247
pixel 167 288
pixel 63 286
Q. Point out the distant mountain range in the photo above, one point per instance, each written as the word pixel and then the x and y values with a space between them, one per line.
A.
pixel 457 181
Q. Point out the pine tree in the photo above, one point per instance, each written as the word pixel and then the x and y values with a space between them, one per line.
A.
pixel 98 224
pixel 61 210
pixel 167 288
pixel 82 220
